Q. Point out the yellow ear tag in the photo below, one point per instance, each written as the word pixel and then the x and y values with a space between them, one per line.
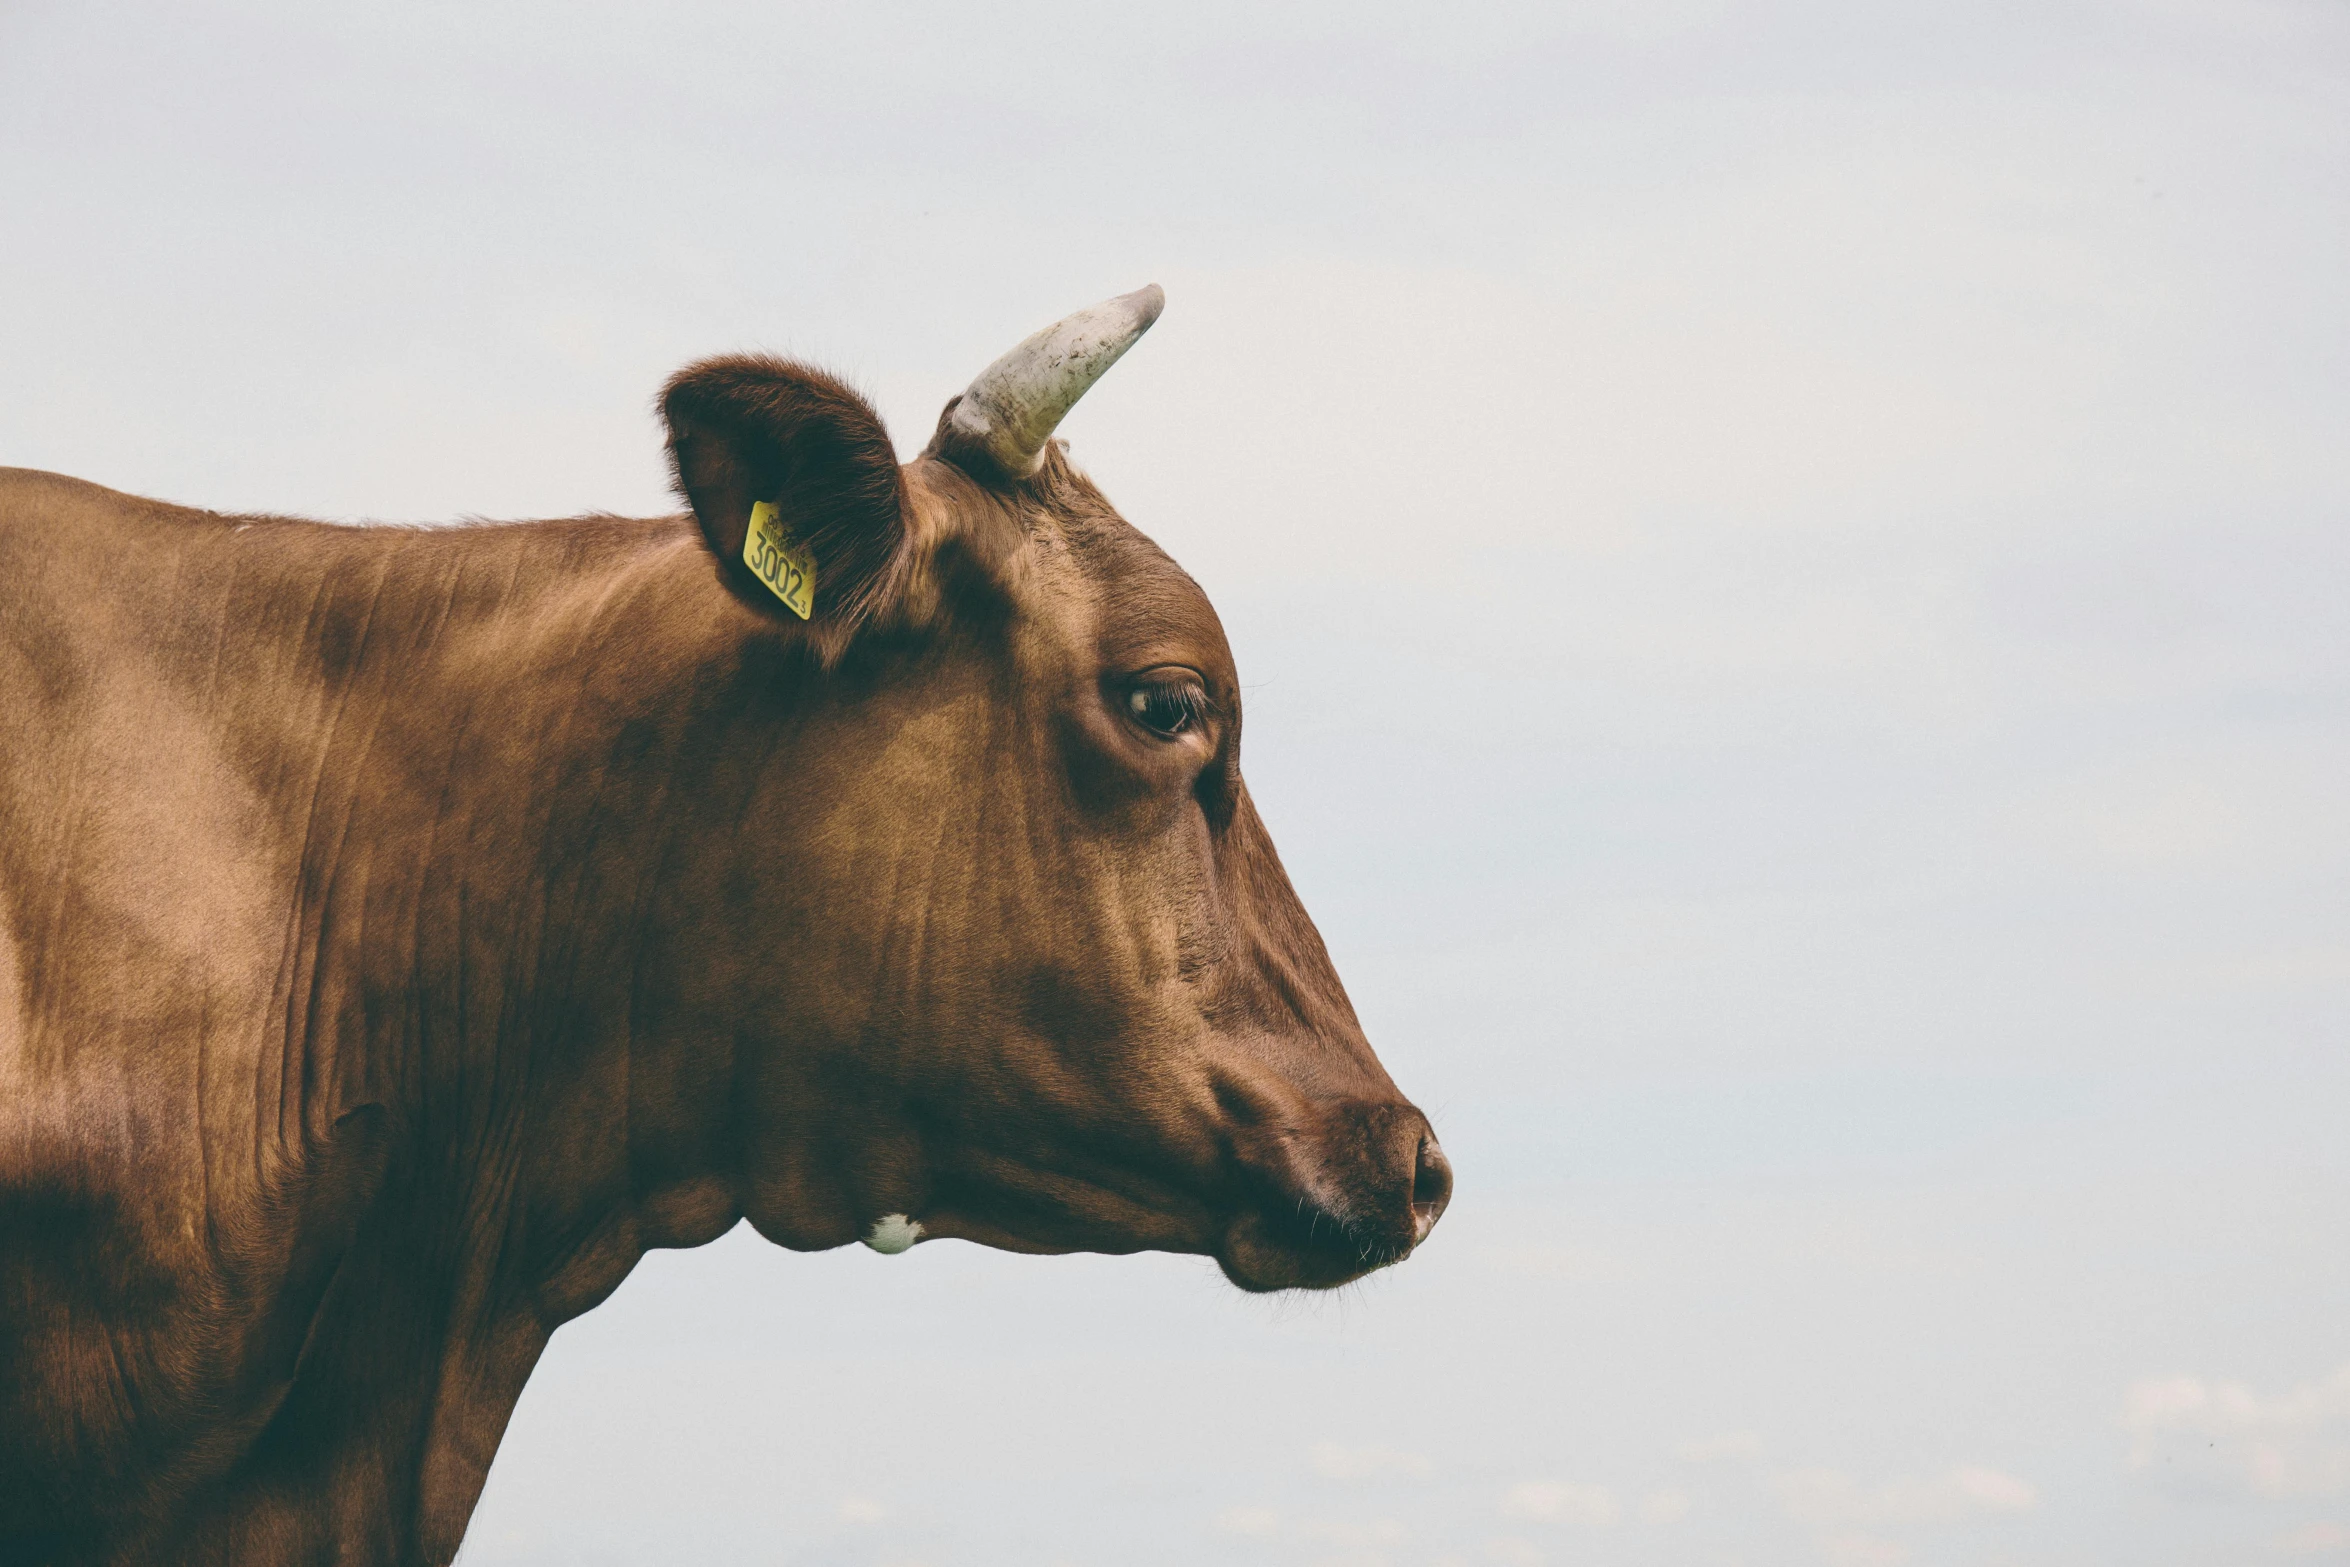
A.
pixel 788 570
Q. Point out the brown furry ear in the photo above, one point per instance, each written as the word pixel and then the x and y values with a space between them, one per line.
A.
pixel 749 428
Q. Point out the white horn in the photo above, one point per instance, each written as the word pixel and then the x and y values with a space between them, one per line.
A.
pixel 1011 411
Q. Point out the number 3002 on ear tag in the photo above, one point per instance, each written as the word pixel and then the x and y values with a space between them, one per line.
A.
pixel 787 569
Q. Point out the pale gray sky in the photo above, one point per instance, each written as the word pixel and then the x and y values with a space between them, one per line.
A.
pixel 1790 563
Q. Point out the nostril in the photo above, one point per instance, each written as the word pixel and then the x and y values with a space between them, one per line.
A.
pixel 1431 1176
pixel 1431 1188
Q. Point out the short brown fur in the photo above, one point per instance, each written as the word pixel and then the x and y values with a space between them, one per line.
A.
pixel 402 930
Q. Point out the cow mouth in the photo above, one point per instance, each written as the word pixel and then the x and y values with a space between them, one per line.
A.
pixel 1320 1234
pixel 1290 1213
pixel 1266 1252
pixel 1261 1251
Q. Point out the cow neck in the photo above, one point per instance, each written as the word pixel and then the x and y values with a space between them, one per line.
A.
pixel 505 734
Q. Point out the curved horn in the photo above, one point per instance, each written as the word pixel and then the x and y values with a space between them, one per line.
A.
pixel 1011 411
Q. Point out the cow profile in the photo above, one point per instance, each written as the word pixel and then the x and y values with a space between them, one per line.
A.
pixel 402 930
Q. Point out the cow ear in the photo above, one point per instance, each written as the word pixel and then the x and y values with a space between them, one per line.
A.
pixel 751 431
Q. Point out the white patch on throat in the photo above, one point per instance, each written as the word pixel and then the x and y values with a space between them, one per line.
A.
pixel 892 1233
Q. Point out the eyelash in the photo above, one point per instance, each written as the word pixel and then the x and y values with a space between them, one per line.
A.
pixel 1182 703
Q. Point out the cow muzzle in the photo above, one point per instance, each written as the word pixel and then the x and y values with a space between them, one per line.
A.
pixel 1325 1205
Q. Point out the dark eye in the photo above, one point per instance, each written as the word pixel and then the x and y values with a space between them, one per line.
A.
pixel 1167 702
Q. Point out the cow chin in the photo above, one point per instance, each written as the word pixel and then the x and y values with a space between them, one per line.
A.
pixel 1263 1253
pixel 1260 1253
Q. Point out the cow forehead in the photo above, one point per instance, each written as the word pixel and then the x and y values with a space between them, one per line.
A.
pixel 1061 548
pixel 1150 611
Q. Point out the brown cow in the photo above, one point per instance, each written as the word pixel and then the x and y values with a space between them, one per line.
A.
pixel 401 930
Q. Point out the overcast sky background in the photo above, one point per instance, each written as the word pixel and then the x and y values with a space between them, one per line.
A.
pixel 1789 563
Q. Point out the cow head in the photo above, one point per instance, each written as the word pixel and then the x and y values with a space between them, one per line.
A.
pixel 1002 947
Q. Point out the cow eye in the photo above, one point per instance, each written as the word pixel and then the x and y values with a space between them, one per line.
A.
pixel 1167 702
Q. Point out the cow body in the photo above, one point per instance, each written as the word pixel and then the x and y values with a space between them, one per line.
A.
pixel 402 930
